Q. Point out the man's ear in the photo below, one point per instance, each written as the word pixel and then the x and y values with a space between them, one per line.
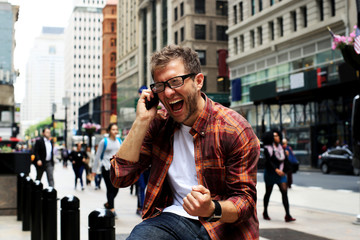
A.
pixel 199 80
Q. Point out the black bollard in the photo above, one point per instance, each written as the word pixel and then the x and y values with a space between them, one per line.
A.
pixel 19 201
pixel 70 218
pixel 36 210
pixel 101 225
pixel 26 217
pixel 49 214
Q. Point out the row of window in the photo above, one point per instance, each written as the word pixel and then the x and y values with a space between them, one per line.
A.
pixel 89 47
pixel 89 85
pixel 279 25
pixel 89 66
pixel 84 75
pixel 89 56
pixel 84 94
pixel 94 19
pixel 282 72
pixel 84 28
pixel 200 33
pixel 93 1
pixel 221 8
pixel 89 38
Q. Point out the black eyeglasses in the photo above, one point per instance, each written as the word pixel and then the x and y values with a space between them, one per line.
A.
pixel 174 82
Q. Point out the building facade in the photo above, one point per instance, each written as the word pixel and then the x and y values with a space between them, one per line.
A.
pixel 8 17
pixel 83 58
pixel 108 101
pixel 44 81
pixel 284 73
pixel 148 26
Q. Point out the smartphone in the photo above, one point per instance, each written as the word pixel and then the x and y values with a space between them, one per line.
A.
pixel 153 102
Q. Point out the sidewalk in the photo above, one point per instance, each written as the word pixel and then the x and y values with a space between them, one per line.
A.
pixel 320 214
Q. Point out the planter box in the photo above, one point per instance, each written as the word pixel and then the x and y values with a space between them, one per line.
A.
pixel 14 163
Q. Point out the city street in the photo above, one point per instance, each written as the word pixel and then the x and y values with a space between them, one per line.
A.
pixel 321 212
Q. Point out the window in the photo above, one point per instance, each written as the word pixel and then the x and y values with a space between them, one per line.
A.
pixel 200 31
pixel 252 7
pixel 235 14
pixel 252 38
pixel 202 56
pixel 242 44
pixel 271 31
pixel 281 26
pixel 272 2
pixel 181 9
pixel 113 42
pixel 175 14
pixel 176 37
pixel 112 57
pixel 112 27
pixel 259 31
pixel 236 46
pixel 293 19
pixel 221 33
pixel 221 8
pixel 200 6
pixel 182 34
pixel 260 5
pixel 320 6
pixel 304 16
pixel 332 8
pixel 241 10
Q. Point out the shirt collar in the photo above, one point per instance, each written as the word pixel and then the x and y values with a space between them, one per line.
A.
pixel 202 121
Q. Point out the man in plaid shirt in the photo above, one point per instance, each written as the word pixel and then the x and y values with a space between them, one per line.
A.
pixel 202 158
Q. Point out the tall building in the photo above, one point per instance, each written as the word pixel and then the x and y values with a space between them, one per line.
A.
pixel 8 17
pixel 83 58
pixel 44 78
pixel 127 64
pixel 147 26
pixel 284 73
pixel 108 101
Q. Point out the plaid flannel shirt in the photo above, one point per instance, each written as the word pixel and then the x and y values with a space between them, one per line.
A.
pixel 226 156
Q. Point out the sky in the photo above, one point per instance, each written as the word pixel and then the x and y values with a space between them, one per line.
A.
pixel 33 15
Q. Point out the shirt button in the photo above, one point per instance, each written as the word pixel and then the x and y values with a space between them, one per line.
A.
pixel 158 184
pixel 202 133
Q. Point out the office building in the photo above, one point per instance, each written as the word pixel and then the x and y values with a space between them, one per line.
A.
pixel 284 73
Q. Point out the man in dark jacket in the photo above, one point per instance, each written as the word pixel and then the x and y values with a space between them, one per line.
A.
pixel 44 157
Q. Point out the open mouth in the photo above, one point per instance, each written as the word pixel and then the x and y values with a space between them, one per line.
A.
pixel 176 105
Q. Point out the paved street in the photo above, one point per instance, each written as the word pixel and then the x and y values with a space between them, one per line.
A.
pixel 320 213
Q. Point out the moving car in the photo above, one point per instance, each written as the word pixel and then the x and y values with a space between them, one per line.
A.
pixel 337 159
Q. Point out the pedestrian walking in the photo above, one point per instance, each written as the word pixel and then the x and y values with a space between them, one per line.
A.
pixel 78 159
pixel 107 148
pixel 276 167
pixel 44 157
pixel 202 158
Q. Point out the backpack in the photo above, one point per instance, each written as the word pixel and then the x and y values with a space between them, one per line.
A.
pixel 104 148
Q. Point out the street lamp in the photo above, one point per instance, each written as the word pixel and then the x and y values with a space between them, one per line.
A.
pixel 66 102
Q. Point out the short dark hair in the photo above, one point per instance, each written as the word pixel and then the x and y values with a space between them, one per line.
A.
pixel 43 131
pixel 171 52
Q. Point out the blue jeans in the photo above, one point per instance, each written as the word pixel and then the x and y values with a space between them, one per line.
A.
pixel 169 226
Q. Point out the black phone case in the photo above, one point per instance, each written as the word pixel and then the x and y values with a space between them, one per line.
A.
pixel 153 102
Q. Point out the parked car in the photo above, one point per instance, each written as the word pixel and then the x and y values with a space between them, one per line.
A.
pixel 337 159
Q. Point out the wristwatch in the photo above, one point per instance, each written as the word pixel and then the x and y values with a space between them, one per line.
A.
pixel 217 213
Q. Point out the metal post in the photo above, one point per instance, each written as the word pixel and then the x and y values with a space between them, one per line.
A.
pixel 36 208
pixel 20 186
pixel 26 217
pixel 70 218
pixel 49 214
pixel 101 225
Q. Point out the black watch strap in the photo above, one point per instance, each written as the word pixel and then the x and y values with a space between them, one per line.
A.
pixel 217 213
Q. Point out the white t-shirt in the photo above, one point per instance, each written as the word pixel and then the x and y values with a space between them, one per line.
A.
pixel 182 172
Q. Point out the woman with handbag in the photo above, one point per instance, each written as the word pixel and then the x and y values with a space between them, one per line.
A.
pixel 276 167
